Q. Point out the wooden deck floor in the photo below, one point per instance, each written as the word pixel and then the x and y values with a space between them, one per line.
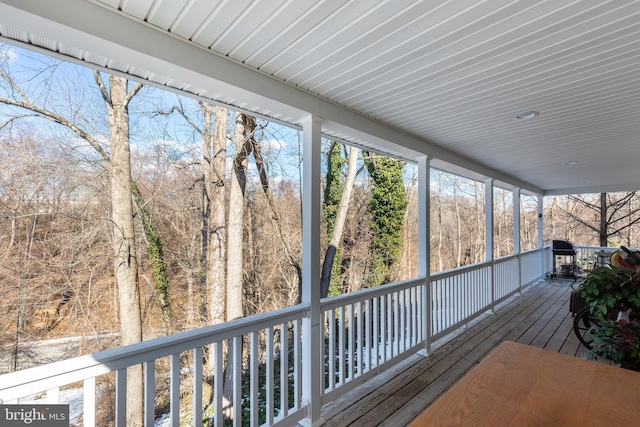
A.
pixel 540 317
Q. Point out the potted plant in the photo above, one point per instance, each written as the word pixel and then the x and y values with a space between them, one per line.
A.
pixel 613 296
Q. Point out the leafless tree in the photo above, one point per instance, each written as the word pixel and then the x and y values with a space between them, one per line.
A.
pixel 116 97
pixel 611 214
pixel 214 169
pixel 116 100
pixel 213 132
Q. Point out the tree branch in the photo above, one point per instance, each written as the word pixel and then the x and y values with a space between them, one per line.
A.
pixel 582 222
pixel 134 90
pixel 585 203
pixel 9 80
pixel 14 118
pixel 245 150
pixel 624 227
pixel 264 180
pixel 57 118
pixel 103 89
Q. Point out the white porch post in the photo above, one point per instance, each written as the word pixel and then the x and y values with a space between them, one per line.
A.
pixel 516 234
pixel 541 233
pixel 488 232
pixel 312 359
pixel 424 250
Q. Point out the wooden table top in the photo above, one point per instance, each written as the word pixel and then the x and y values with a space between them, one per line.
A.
pixel 519 385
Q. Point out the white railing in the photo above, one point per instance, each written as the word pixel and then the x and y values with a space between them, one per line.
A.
pixel 367 331
pixel 364 333
pixel 530 265
pixel 458 296
pixel 251 348
pixel 588 257
pixel 506 277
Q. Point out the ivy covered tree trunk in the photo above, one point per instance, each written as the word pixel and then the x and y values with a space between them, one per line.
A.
pixel 387 206
pixel 331 202
pixel 155 252
pixel 336 204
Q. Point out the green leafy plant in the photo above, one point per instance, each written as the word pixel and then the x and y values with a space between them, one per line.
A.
pixel 618 340
pixel 610 291
pixel 388 205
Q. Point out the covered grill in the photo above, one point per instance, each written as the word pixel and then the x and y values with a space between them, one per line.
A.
pixel 564 253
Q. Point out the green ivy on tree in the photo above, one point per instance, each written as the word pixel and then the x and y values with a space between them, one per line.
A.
pixel 387 206
pixel 334 183
pixel 156 256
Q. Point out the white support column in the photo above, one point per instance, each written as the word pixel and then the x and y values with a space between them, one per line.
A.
pixel 312 349
pixel 541 233
pixel 516 234
pixel 424 249
pixel 488 232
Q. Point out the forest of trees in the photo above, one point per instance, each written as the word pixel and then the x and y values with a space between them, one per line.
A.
pixel 121 203
pixel 128 213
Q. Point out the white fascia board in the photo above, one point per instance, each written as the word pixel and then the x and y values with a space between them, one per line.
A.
pixel 102 31
pixel 594 189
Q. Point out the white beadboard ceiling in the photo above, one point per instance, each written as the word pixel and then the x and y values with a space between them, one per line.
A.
pixel 442 78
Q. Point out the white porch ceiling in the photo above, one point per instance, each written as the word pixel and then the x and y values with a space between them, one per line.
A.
pixel 443 78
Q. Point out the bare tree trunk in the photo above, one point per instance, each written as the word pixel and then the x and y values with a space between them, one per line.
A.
pixel 479 224
pixel 245 126
pixel 207 157
pixel 407 268
pixel 552 215
pixel 125 258
pixel 14 229
pixel 456 205
pixel 602 235
pixel 497 224
pixel 341 218
pixel 440 224
pixel 242 143
pixel 21 318
pixel 525 233
pixel 214 167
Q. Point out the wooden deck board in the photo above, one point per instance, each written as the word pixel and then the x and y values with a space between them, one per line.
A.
pixel 540 317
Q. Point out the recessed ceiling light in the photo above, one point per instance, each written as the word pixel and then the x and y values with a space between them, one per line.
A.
pixel 571 163
pixel 585 181
pixel 527 115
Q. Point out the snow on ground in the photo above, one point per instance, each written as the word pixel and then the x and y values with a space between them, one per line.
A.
pixel 71 397
pixel 163 421
pixel 74 398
